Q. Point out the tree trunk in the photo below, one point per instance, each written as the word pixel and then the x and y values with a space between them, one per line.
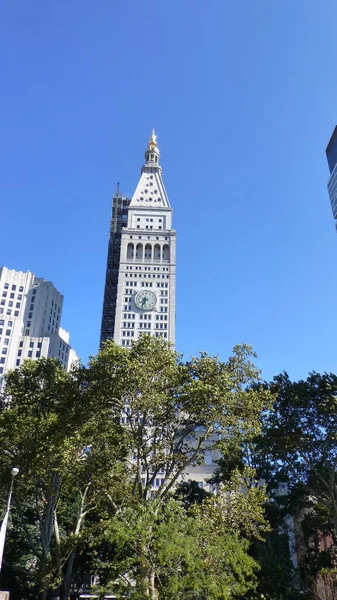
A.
pixel 42 577
pixel 46 527
pixel 152 588
pixel 65 588
pixel 148 576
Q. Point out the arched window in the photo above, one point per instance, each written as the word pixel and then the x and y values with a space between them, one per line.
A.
pixel 166 252
pixel 156 252
pixel 148 252
pixel 139 251
pixel 130 250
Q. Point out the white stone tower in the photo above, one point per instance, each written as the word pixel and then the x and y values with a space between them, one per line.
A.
pixel 147 267
pixel 30 321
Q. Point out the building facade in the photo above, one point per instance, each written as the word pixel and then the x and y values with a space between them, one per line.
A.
pixel 331 154
pixel 139 292
pixel 30 317
pixel 119 218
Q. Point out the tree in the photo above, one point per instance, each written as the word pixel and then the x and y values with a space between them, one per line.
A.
pixel 301 433
pixel 173 413
pixel 295 455
pixel 105 446
pixel 189 492
pixel 325 585
pixel 199 552
pixel 277 578
pixel 66 449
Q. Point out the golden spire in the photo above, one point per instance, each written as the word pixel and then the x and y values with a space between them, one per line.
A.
pixel 153 139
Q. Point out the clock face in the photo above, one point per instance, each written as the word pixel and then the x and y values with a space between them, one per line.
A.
pixel 146 300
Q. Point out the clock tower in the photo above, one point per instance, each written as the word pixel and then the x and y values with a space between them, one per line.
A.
pixel 144 298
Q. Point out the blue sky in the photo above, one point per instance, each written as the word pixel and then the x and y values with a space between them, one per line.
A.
pixel 243 97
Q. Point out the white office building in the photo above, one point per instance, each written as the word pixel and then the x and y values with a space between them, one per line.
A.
pixel 30 317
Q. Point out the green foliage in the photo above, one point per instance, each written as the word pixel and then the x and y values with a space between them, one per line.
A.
pixel 296 456
pixel 175 411
pixel 201 553
pixel 86 485
pixel 50 430
pixel 189 492
pixel 302 435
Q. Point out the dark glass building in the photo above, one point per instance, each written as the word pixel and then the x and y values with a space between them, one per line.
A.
pixel 119 217
pixel 331 151
pixel 331 154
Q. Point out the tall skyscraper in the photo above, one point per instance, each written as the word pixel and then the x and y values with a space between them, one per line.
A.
pixel 139 292
pixel 331 154
pixel 30 317
pixel 140 282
